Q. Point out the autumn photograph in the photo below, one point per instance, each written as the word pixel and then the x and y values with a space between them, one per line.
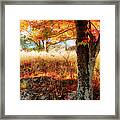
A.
pixel 59 59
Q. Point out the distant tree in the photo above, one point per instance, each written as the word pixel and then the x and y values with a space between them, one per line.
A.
pixel 44 30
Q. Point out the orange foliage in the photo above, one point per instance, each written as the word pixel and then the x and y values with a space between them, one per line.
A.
pixel 55 30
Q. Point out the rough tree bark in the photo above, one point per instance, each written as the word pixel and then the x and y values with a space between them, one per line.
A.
pixel 86 55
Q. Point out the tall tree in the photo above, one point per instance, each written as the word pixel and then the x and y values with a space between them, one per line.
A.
pixel 86 56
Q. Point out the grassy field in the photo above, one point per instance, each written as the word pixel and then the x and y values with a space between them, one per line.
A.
pixel 55 65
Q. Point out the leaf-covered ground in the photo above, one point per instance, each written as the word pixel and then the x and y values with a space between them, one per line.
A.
pixel 45 88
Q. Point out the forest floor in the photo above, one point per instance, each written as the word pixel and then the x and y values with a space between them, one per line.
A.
pixel 52 76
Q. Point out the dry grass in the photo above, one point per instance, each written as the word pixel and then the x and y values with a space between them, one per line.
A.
pixel 57 65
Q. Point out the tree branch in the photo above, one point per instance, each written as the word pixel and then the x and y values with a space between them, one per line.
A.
pixel 94 26
pixel 55 35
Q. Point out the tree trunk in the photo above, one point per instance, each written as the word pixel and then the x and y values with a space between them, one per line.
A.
pixel 83 72
pixel 43 43
pixel 94 49
pixel 86 56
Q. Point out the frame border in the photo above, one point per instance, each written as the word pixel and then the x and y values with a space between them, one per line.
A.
pixel 62 2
